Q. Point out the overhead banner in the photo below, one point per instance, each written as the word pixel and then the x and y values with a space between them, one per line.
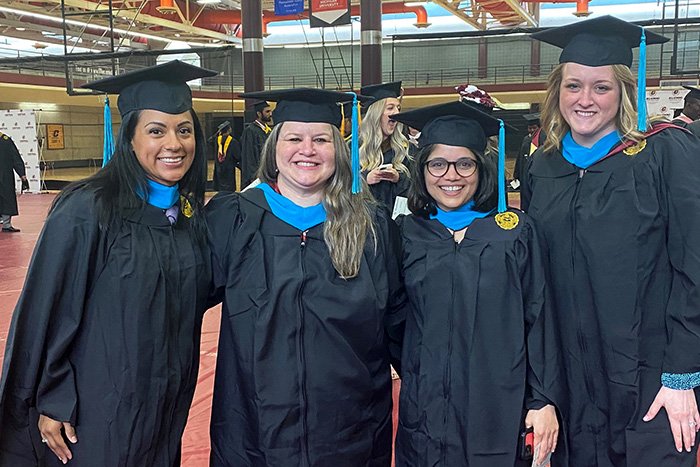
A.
pixel 327 13
pixel 288 7
pixel 20 125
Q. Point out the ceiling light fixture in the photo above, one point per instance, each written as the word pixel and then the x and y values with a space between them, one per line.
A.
pixel 81 24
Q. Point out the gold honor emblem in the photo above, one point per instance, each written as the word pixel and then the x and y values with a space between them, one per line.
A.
pixel 507 220
pixel 186 207
pixel 636 148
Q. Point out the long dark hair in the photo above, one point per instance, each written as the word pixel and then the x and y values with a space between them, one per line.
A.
pixel 485 198
pixel 117 184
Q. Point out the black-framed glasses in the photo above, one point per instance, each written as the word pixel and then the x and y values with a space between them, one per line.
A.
pixel 464 166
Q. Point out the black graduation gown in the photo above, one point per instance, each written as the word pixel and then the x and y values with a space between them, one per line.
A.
pixel 385 192
pixel 693 126
pixel 225 171
pixel 623 257
pixel 252 141
pixel 523 155
pixel 302 376
pixel 105 335
pixel 10 160
pixel 475 346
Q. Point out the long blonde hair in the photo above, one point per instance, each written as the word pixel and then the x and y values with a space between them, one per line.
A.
pixel 371 139
pixel 349 218
pixel 554 125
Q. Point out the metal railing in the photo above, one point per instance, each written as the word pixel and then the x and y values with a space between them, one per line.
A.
pixel 430 78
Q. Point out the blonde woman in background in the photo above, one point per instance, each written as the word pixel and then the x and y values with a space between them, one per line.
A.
pixel 383 147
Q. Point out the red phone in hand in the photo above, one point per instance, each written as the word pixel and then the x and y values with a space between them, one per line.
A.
pixel 527 444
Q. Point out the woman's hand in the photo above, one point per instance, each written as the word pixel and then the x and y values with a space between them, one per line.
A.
pixel 682 410
pixel 546 429
pixel 50 430
pixel 374 176
pixel 390 174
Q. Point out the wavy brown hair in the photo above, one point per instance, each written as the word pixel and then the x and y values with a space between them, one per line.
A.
pixel 349 218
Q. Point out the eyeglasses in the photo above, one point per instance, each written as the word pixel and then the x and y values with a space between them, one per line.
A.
pixel 438 167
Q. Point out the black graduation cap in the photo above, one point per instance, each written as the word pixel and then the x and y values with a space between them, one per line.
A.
pixel 161 87
pixel 304 104
pixel 597 42
pixel 532 119
pixel 223 126
pixel 382 91
pixel 694 92
pixel 260 106
pixel 454 123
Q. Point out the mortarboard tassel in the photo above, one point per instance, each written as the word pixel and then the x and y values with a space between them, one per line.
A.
pixel 642 85
pixel 502 204
pixel 342 120
pixel 355 147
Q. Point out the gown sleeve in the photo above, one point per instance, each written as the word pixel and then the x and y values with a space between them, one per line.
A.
pixel 17 162
pixel 395 317
pixel 50 309
pixel 680 166
pixel 222 219
pixel 541 349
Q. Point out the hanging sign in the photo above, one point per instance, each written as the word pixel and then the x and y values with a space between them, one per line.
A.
pixel 327 13
pixel 288 7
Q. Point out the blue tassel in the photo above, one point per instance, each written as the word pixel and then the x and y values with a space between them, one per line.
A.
pixel 642 85
pixel 355 147
pixel 502 204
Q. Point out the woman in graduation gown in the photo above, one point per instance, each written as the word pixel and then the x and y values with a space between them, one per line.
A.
pixel 103 348
pixel 477 365
pixel 383 147
pixel 615 200
pixel 312 302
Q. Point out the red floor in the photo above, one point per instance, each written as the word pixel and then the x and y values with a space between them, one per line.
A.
pixel 15 253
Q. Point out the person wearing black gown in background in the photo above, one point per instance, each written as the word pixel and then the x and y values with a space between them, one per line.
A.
pixel 615 199
pixel 252 141
pixel 691 110
pixel 313 304
pixel 103 349
pixel 479 363
pixel 383 147
pixel 228 153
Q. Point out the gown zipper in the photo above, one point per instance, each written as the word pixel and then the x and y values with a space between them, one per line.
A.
pixel 301 362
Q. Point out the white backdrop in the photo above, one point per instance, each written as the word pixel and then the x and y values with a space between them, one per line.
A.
pixel 665 101
pixel 20 125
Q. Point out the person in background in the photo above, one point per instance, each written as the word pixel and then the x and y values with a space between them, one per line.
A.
pixel 252 141
pixel 103 350
pixel 228 153
pixel 611 194
pixel 383 147
pixel 313 304
pixel 474 275
pixel 691 110
pixel 526 147
pixel 10 161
